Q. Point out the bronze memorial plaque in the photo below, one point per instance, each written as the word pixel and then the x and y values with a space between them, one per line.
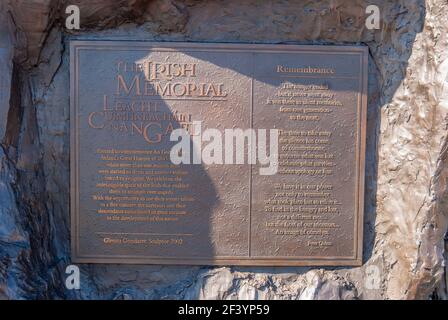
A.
pixel 269 142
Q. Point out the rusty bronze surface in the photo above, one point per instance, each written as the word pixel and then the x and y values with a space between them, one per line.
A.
pixel 129 204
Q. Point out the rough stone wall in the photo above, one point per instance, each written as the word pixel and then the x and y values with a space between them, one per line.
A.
pixel 406 215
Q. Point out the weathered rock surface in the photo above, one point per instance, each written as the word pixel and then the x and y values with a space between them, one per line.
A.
pixel 406 215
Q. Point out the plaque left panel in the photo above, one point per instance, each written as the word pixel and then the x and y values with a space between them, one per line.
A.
pixel 129 203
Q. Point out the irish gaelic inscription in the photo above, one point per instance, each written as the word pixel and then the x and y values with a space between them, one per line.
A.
pixel 231 202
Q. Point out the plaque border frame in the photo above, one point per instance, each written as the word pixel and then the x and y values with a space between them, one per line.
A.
pixel 355 260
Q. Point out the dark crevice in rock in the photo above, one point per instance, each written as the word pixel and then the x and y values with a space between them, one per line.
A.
pixel 33 269
pixel 15 114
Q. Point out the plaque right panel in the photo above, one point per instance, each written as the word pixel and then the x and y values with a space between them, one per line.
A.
pixel 311 208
